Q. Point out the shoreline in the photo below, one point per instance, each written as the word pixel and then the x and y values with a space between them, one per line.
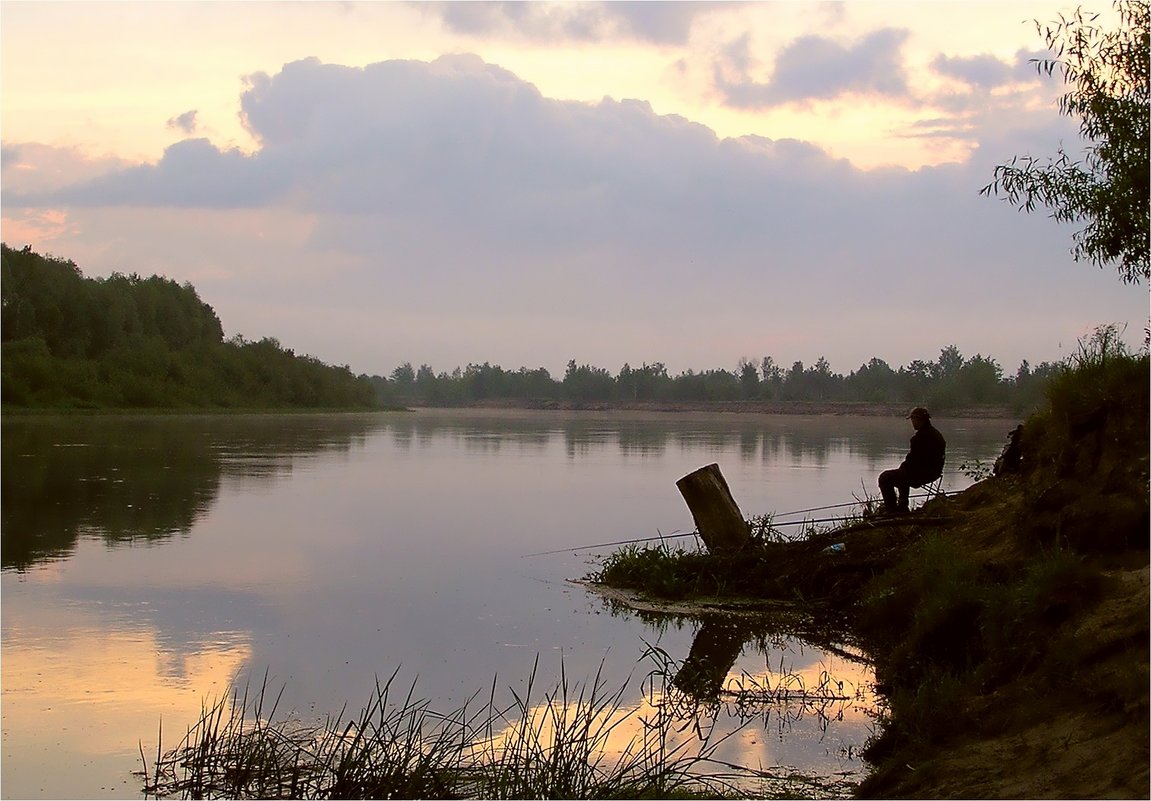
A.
pixel 805 408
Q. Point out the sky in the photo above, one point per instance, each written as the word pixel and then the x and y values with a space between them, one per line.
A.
pixel 526 184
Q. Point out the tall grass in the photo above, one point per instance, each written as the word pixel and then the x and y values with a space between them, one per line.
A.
pixel 568 747
pixel 240 749
pixel 1099 397
pixel 577 740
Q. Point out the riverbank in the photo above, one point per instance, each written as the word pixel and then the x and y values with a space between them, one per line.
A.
pixel 213 411
pixel 1008 625
pixel 815 408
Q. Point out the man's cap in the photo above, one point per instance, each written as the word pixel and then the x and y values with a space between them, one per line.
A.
pixel 919 411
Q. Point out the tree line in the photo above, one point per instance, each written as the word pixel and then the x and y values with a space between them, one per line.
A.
pixel 129 342
pixel 951 381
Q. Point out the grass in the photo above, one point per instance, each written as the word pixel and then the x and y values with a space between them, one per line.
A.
pixel 948 631
pixel 662 570
pixel 577 740
pixel 658 569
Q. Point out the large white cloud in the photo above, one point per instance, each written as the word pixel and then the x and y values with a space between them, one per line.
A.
pixel 448 212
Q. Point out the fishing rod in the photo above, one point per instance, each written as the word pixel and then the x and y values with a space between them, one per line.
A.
pixel 672 537
pixel 610 544
pixel 852 503
pixel 694 534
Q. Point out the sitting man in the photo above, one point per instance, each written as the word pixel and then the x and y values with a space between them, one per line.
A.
pixel 924 463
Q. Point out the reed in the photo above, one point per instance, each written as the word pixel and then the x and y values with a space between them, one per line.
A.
pixel 577 740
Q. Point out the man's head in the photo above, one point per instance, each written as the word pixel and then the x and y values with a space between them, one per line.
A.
pixel 918 417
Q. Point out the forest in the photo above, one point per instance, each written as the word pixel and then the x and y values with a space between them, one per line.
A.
pixel 950 382
pixel 126 342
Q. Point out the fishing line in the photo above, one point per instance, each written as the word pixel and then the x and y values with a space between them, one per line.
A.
pixel 672 537
pixel 609 544
pixel 693 534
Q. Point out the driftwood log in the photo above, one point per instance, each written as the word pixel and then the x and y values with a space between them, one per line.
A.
pixel 717 517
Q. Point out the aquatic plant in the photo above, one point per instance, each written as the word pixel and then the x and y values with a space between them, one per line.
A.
pixel 578 740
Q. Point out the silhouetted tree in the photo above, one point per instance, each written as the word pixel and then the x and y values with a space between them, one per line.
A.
pixel 1107 72
pixel 771 375
pixel 748 379
pixel 127 341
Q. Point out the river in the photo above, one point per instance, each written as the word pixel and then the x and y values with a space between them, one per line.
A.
pixel 152 563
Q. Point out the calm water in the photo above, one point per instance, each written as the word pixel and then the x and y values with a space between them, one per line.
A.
pixel 151 563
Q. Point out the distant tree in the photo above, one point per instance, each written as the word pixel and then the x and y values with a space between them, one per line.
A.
pixel 821 382
pixel 951 382
pixel 483 380
pixel 793 385
pixel 404 377
pixel 874 381
pixel 628 387
pixel 425 375
pixel 583 382
pixel 949 364
pixel 651 381
pixel 771 377
pixel 1028 385
pixel 537 383
pixel 709 385
pixel 748 379
pixel 979 380
pixel 1107 72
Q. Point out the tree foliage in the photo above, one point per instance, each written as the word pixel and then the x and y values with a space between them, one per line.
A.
pixel 952 381
pixel 1107 75
pixel 132 342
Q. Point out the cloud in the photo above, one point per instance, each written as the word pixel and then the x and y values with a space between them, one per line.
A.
pixel 986 72
pixel 983 71
pixel 661 23
pixel 815 68
pixel 192 173
pixel 31 167
pixel 185 122
pixel 448 212
pixel 656 23
pixel 992 101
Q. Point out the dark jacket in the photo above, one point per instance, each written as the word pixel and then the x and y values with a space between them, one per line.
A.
pixel 924 462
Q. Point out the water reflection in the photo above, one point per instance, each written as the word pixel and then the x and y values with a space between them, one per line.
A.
pixel 79 705
pixel 839 684
pixel 760 729
pixel 755 438
pixel 140 478
pixel 332 549
pixel 716 646
pixel 806 690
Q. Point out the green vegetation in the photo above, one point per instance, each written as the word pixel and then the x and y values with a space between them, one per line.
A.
pixel 991 614
pixel 670 572
pixel 952 381
pixel 1107 72
pixel 70 342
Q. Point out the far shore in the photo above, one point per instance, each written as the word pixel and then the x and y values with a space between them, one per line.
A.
pixel 813 408
pixel 806 408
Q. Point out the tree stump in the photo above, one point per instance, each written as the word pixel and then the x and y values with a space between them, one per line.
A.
pixel 717 517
